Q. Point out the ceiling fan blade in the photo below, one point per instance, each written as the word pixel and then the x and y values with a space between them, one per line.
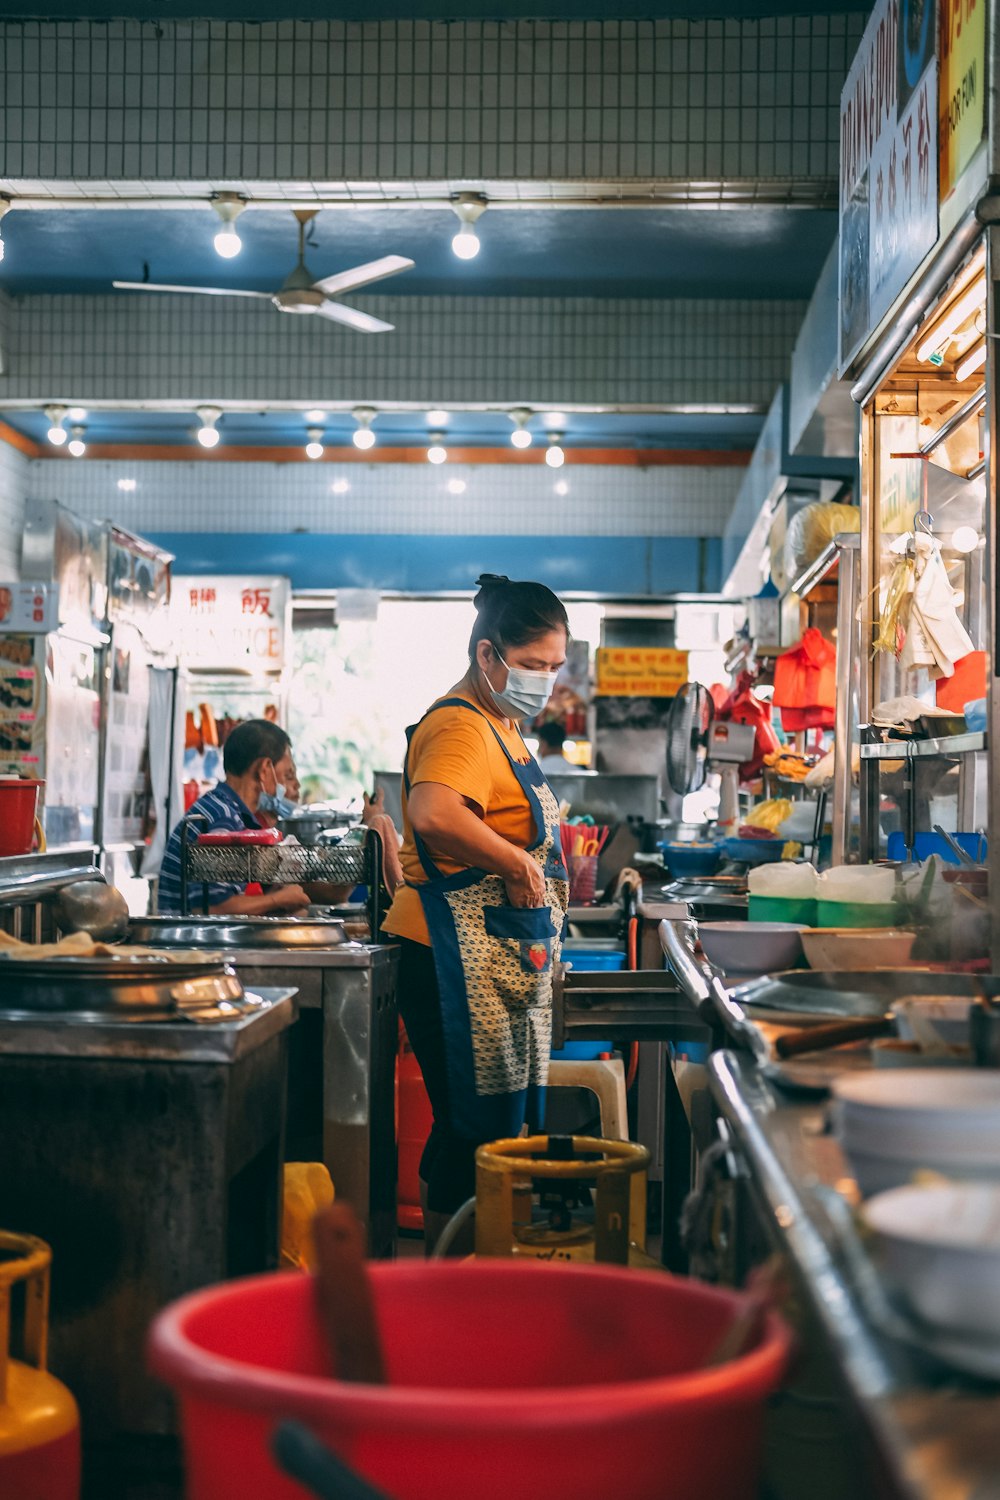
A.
pixel 362 321
pixel 197 291
pixel 374 270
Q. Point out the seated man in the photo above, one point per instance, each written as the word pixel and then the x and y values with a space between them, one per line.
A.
pixel 257 759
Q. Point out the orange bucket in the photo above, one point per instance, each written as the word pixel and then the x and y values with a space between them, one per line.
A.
pixel 18 802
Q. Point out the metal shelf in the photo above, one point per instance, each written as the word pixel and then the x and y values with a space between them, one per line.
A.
pixel 945 746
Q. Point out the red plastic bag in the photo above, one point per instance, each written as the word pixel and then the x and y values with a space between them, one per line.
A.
pixel 805 683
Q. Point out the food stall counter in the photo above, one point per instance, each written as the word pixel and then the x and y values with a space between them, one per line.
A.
pixel 928 1431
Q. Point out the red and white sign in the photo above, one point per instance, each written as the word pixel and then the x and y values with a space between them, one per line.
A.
pixel 230 622
pixel 29 608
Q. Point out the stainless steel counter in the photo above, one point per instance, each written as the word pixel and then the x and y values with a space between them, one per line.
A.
pixel 342 1060
pixel 934 1435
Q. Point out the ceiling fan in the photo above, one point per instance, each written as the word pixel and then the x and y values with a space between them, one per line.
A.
pixel 300 293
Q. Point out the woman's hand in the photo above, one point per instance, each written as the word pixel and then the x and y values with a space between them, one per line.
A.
pixel 374 807
pixel 525 883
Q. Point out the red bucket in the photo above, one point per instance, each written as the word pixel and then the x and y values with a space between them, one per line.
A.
pixel 18 800
pixel 535 1380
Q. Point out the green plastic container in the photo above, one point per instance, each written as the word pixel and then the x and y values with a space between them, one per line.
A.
pixel 856 914
pixel 783 909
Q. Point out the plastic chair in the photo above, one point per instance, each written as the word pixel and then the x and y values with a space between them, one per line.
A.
pixel 605 1078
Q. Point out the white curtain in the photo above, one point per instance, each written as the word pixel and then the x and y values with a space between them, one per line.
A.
pixel 167 704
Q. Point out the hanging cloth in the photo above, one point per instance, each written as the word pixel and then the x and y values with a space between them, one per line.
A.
pixel 494 970
pixel 805 684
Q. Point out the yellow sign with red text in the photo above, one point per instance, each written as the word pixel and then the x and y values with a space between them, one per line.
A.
pixel 640 671
pixel 962 91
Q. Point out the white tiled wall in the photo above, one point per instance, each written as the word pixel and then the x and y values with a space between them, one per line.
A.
pixel 393 498
pixel 13 488
pixel 411 99
pixel 534 351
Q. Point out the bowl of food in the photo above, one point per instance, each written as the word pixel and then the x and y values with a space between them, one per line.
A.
pixel 696 858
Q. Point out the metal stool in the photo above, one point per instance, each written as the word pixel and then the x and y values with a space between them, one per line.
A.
pixel 603 1077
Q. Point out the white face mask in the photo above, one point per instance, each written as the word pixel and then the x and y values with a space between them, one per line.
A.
pixel 526 693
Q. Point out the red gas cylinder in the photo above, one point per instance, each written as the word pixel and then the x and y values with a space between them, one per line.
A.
pixel 413 1125
pixel 39 1422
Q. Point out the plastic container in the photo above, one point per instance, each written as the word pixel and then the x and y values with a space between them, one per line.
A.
pixel 18 801
pixel 800 910
pixel 606 960
pixel 578 1380
pixel 686 859
pixel 753 851
pixel 582 879
pixel 856 914
pixel 926 844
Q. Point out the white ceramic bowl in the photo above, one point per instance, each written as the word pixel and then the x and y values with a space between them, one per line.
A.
pixel 941 1247
pixel 948 1014
pixel 892 1123
pixel 842 949
pixel 751 947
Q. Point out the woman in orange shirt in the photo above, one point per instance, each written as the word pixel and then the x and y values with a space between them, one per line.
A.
pixel 480 917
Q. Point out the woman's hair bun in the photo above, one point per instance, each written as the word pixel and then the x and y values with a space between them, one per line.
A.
pixel 488 583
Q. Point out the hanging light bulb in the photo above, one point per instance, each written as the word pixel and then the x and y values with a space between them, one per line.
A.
pixel 228 206
pixel 561 487
pixel 4 208
pixel 208 432
pixel 314 447
pixel 316 418
pixel 554 455
pixel 57 432
pixel 521 437
pixel 77 414
pixel 436 453
pixel 363 436
pixel 456 486
pixel 76 444
pixel 965 539
pixel 437 418
pixel 469 207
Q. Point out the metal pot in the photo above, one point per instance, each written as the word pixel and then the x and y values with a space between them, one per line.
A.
pixel 307 823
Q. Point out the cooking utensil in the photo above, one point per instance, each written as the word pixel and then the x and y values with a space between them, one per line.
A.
pixel 821 993
pixel 139 988
pixel 312 1463
pixel 94 907
pixel 819 1038
pixel 955 846
pixel 344 1296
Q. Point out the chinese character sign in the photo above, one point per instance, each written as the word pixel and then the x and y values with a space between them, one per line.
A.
pixel 888 164
pixel 962 105
pixel 231 622
pixel 640 671
pixel 29 608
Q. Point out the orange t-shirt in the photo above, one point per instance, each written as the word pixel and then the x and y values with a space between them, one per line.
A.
pixel 458 749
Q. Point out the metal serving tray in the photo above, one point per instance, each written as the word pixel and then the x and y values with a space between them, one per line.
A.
pixel 238 932
pixel 140 987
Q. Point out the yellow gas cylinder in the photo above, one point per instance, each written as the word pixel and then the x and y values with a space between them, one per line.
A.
pixel 39 1422
pixel 510 1173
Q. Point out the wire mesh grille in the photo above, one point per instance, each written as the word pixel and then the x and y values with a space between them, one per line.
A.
pixel 336 864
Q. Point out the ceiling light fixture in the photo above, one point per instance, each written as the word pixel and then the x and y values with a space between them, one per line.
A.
pixel 228 206
pixel 556 420
pixel 943 332
pixel 208 432
pixel 363 435
pixel 340 487
pixel 128 485
pixel 521 437
pixel 315 418
pixel 314 447
pixel 972 362
pixel 437 418
pixel 561 487
pixel 5 207
pixel 456 486
pixel 57 432
pixel 469 207
pixel 554 455
pixel 77 414
pixel 436 454
pixel 76 444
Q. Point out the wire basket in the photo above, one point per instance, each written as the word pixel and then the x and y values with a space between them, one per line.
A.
pixel 266 864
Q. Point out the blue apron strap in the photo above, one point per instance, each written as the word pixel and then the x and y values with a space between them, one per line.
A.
pixel 423 853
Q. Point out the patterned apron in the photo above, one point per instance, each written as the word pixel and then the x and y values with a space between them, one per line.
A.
pixel 494 971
